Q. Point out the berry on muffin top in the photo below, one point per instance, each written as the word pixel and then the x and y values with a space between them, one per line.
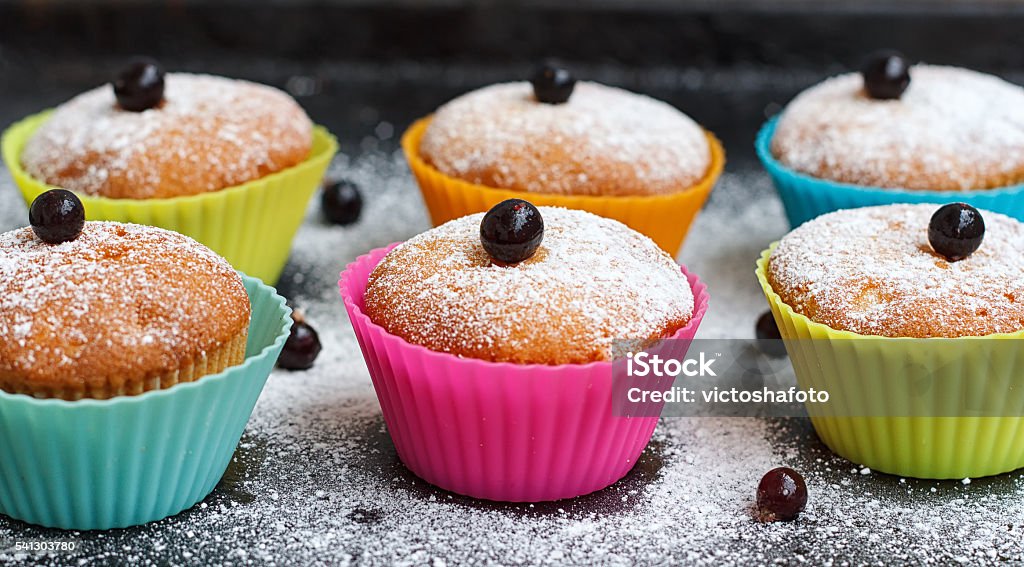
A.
pixel 951 129
pixel 873 271
pixel 591 282
pixel 588 139
pixel 206 133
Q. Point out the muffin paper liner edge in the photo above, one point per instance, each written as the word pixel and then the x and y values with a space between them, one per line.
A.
pixel 213 362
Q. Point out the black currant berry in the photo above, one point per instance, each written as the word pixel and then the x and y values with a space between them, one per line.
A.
pixel 552 84
pixel 140 86
pixel 769 339
pixel 512 231
pixel 781 495
pixel 302 346
pixel 341 202
pixel 57 216
pixel 886 75
pixel 956 231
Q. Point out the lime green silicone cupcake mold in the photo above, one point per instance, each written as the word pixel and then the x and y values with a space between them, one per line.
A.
pixel 251 225
pixel 904 405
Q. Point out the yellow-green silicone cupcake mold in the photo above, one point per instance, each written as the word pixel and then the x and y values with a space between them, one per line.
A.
pixel 251 225
pixel 923 408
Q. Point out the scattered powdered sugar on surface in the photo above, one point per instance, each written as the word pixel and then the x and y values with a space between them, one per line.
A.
pixel 602 140
pixel 315 480
pixel 952 129
pixel 209 133
pixel 119 296
pixel 873 271
pixel 593 281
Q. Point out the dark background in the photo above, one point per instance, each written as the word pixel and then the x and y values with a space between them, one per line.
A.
pixel 354 65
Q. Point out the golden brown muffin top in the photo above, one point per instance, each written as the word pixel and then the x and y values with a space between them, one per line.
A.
pixel 592 281
pixel 603 141
pixel 208 134
pixel 120 301
pixel 953 129
pixel 872 271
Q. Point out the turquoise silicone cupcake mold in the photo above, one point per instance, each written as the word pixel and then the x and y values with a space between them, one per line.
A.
pixel 101 464
pixel 805 197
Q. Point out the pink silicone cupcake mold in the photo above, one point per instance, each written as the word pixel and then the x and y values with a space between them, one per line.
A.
pixel 499 431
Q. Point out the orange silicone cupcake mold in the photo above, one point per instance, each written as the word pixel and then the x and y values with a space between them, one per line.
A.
pixel 666 219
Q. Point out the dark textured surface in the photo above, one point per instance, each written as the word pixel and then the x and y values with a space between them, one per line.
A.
pixel 366 72
pixel 670 33
pixel 725 64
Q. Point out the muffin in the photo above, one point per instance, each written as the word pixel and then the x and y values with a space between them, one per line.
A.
pixel 208 133
pixel 227 162
pixel 442 290
pixel 584 146
pixel 898 133
pixel 872 271
pixel 602 141
pixel 121 310
pixel 132 359
pixel 902 313
pixel 490 342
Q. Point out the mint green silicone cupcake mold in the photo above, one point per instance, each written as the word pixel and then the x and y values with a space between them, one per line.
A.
pixel 101 464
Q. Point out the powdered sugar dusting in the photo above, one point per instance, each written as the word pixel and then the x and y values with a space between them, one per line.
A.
pixel 209 133
pixel 603 141
pixel 316 480
pixel 953 129
pixel 872 271
pixel 121 300
pixel 591 282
